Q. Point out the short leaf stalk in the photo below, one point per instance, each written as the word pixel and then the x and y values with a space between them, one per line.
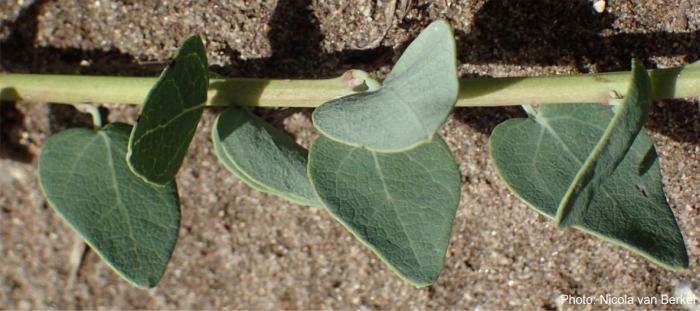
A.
pixel 94 112
pixel 680 82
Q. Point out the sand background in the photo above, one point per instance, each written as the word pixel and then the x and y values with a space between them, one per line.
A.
pixel 241 249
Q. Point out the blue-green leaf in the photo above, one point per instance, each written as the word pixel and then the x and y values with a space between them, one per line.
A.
pixel 262 156
pixel 591 167
pixel 628 120
pixel 414 101
pixel 169 115
pixel 401 205
pixel 131 224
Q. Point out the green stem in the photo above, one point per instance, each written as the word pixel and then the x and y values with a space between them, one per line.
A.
pixel 681 82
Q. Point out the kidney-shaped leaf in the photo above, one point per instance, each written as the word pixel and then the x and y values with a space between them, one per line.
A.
pixel 262 156
pixel 409 108
pixel 401 205
pixel 131 224
pixel 556 159
pixel 170 114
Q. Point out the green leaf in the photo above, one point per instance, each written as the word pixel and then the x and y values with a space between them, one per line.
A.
pixel 409 108
pixel 261 156
pixel 220 153
pixel 577 158
pixel 169 115
pixel 401 205
pixel 131 224
pixel 612 146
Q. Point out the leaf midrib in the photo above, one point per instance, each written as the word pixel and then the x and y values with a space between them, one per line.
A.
pixel 390 202
pixel 119 204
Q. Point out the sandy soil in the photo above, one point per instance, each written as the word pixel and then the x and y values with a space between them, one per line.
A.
pixel 240 249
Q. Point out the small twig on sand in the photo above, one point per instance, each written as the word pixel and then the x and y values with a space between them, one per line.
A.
pixel 75 261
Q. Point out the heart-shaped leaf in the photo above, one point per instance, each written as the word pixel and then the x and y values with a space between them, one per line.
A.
pixel 414 101
pixel 401 205
pixel 628 120
pixel 586 162
pixel 170 114
pixel 263 157
pixel 131 224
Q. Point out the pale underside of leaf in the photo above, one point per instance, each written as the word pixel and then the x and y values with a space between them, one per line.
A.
pixel 414 101
pixel 224 158
pixel 401 205
pixel 262 156
pixel 132 225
